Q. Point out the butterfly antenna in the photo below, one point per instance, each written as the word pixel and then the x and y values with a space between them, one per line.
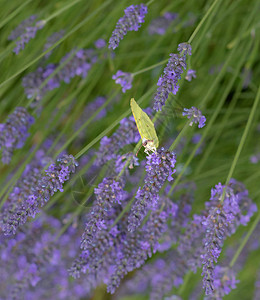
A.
pixel 138 150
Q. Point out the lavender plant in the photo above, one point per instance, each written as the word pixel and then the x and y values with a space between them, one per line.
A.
pixel 126 224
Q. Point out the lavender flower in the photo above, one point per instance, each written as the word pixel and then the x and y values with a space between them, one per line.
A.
pixel 34 262
pixel 131 21
pixel 190 74
pixel 168 82
pixel 79 65
pixel 26 31
pixel 52 40
pixel 184 49
pixel 158 277
pixel 137 246
pixel 20 29
pixel 34 190
pixel 53 180
pixel 222 220
pixel 161 24
pixel 159 168
pixel 100 43
pixel 14 132
pixel 254 159
pixel 124 79
pixel 108 193
pixel 195 115
pixel 224 282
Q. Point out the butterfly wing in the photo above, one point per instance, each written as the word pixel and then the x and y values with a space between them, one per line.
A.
pixel 144 124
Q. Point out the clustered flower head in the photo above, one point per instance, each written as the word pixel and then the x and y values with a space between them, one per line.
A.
pixel 100 43
pixel 25 32
pixel 202 242
pixel 34 262
pixel 14 132
pixel 159 168
pixel 124 79
pixel 195 115
pixel 161 24
pixel 190 74
pixel 222 220
pixel 168 82
pixel 35 189
pixel 79 65
pixel 108 193
pixel 131 21
pixel 224 281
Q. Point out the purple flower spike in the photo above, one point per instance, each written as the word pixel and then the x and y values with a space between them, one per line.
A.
pixel 100 43
pixel 54 178
pixel 108 193
pixel 14 132
pixel 190 74
pixel 159 168
pixel 161 24
pixel 131 21
pixel 168 82
pixel 34 190
pixel 19 30
pixel 224 282
pixel 29 33
pixel 184 49
pixel 195 115
pixel 79 65
pixel 124 79
pixel 222 220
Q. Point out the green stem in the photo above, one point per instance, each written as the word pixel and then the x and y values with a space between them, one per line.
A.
pixel 14 13
pixel 202 21
pixel 151 67
pixel 180 135
pixel 242 245
pixel 60 11
pixel 243 139
pixel 77 27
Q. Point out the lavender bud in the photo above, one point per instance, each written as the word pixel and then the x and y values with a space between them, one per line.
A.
pixel 108 193
pixel 27 34
pixel 168 82
pixel 195 115
pixel 131 21
pixel 190 74
pixel 14 132
pixel 224 282
pixel 159 168
pixel 124 79
pixel 100 43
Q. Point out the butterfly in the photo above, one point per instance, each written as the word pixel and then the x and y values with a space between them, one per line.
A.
pixel 145 127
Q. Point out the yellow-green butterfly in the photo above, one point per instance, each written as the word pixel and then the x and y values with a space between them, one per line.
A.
pixel 145 127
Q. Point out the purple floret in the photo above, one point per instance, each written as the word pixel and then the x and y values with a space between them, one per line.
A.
pixel 131 21
pixel 195 115
pixel 14 132
pixel 124 79
pixel 168 82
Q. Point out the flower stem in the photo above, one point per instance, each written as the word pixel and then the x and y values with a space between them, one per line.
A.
pixel 202 21
pixel 242 141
